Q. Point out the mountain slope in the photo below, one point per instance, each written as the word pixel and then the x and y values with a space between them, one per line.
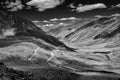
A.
pixel 15 26
pixel 97 41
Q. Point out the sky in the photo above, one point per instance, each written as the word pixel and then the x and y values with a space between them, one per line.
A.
pixel 40 10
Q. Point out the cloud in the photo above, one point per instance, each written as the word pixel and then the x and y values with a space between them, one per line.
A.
pixel 61 23
pixel 14 6
pixel 72 6
pixel 41 5
pixel 35 21
pixel 82 8
pixel 118 5
pixel 63 19
pixel 117 14
pixel 115 6
pixel 45 21
pixel 55 19
pixel 44 4
pixel 71 18
pixel 49 25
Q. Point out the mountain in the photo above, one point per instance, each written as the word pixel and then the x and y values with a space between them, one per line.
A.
pixel 89 31
pixel 97 40
pixel 13 26
pixel 94 52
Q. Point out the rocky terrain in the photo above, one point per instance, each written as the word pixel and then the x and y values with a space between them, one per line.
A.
pixel 96 44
